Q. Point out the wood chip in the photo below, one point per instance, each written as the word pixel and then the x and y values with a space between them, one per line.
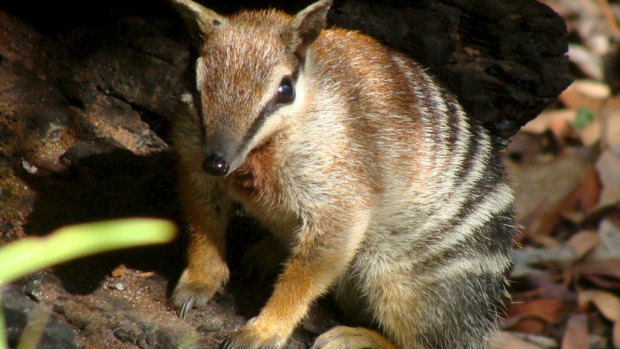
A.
pixel 146 274
pixel 119 271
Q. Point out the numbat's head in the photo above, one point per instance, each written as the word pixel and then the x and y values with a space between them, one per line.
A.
pixel 249 76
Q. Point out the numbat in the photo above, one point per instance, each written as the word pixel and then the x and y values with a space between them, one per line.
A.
pixel 382 190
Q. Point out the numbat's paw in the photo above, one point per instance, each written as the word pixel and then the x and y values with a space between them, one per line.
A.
pixel 343 337
pixel 195 289
pixel 253 336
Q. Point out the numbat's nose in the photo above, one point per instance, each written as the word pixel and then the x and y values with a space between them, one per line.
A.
pixel 215 165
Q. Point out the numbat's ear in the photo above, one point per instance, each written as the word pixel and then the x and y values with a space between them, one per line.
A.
pixel 306 26
pixel 201 21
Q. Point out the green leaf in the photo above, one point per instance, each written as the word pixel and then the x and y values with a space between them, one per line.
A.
pixel 27 255
pixel 584 117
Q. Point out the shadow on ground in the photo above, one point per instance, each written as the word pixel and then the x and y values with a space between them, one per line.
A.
pixel 120 184
pixel 113 185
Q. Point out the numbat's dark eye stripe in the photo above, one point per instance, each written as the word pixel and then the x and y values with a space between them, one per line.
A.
pixel 285 95
pixel 286 91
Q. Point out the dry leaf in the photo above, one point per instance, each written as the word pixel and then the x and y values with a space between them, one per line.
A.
pixel 583 242
pixel 608 166
pixel 532 256
pixel 542 189
pixel 609 246
pixel 586 195
pixel 607 303
pixel 598 44
pixel 608 268
pixel 589 63
pixel 547 288
pixel 119 271
pixel 529 294
pixel 602 282
pixel 611 122
pixel 507 340
pixel 576 333
pixel 585 93
pixel 536 315
pixel 558 121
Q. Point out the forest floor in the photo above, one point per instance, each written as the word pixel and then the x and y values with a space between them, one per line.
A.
pixel 566 169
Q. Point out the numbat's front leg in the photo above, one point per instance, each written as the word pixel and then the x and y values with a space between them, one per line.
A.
pixel 206 271
pixel 312 268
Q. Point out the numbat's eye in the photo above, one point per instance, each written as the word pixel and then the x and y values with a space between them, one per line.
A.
pixel 286 91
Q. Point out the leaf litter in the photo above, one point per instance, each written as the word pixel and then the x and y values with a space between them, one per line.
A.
pixel 565 165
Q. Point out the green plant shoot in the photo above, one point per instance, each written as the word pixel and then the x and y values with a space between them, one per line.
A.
pixel 27 255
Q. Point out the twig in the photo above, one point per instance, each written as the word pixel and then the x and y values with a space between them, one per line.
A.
pixel 603 112
pixel 611 19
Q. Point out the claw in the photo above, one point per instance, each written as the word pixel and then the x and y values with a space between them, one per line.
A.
pixel 227 344
pixel 186 307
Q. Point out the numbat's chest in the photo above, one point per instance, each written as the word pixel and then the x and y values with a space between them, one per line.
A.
pixel 256 179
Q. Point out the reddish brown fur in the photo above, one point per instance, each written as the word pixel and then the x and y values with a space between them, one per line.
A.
pixel 256 179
